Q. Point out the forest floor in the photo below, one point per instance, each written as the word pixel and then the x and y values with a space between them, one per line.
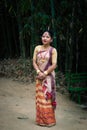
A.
pixel 17 109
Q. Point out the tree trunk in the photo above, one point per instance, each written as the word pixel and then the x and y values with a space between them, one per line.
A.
pixel 53 24
pixel 32 30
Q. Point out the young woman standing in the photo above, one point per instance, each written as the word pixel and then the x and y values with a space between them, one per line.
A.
pixel 45 62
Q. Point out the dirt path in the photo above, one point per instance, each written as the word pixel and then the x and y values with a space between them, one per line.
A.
pixel 17 109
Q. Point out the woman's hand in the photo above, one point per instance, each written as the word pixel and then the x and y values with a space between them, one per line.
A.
pixel 41 75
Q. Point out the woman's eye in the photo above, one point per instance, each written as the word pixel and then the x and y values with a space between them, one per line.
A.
pixel 45 36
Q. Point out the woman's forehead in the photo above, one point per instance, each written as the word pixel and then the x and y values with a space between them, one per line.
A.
pixel 46 33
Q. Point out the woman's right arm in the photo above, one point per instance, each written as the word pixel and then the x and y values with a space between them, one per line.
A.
pixel 41 75
pixel 34 60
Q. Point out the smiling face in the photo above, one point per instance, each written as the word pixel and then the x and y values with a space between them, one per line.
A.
pixel 46 38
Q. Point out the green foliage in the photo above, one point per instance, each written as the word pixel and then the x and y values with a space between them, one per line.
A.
pixel 66 16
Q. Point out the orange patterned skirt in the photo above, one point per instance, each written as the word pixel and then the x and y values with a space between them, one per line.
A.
pixel 45 114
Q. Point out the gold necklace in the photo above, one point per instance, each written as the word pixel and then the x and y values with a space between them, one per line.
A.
pixel 43 58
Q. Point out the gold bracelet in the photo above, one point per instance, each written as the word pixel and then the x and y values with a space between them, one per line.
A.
pixel 45 72
pixel 38 71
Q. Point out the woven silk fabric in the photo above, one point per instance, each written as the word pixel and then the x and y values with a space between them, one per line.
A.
pixel 45 114
pixel 45 91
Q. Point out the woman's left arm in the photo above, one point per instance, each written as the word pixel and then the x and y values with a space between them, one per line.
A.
pixel 54 62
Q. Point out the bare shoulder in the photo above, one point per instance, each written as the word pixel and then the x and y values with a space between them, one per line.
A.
pixel 37 47
pixel 54 50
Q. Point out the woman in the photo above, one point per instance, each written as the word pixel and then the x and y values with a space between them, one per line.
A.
pixel 44 62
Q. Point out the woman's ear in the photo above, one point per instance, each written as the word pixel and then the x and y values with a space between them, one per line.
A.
pixel 51 40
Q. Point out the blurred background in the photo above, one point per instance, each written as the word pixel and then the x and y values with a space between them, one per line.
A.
pixel 22 22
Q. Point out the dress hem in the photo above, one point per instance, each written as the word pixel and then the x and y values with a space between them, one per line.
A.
pixel 46 125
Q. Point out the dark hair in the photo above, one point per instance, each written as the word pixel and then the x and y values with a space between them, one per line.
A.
pixel 50 33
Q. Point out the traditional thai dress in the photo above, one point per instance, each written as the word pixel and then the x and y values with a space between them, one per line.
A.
pixel 45 89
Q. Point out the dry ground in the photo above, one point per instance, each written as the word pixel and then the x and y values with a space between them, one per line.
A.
pixel 17 109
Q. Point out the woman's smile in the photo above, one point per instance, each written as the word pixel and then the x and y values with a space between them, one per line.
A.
pixel 46 39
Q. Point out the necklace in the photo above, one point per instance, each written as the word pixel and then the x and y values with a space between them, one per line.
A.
pixel 43 57
pixel 45 47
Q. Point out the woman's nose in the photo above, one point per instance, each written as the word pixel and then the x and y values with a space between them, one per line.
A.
pixel 44 37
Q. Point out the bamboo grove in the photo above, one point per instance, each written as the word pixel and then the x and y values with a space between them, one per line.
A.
pixel 22 22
